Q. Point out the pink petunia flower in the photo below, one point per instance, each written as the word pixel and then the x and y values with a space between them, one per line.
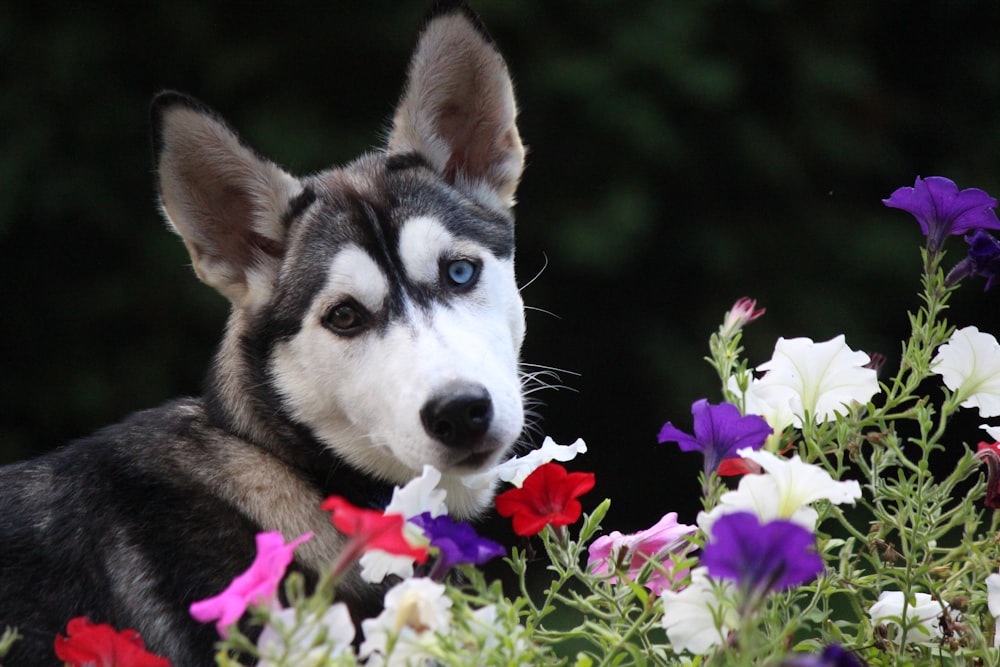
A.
pixel 257 586
pixel 661 543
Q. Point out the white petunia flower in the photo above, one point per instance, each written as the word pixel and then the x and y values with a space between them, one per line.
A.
pixel 517 469
pixel 415 609
pixel 818 379
pixel 993 602
pixel 785 491
pixel 418 496
pixel 774 405
pixel 923 608
pixel 310 643
pixel 992 431
pixel 969 364
pixel 689 616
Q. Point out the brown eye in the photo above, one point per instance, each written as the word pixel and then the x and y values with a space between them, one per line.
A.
pixel 345 319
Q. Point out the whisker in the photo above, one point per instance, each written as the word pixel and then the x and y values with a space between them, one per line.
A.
pixel 543 311
pixel 554 369
pixel 539 273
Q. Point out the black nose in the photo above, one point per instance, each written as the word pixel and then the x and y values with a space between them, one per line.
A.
pixel 458 415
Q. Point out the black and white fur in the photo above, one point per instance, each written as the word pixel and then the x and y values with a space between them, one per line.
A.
pixel 376 327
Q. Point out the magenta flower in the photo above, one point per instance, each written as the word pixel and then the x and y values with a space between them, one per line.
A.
pixel 983 260
pixel 257 586
pixel 456 541
pixel 990 455
pixel 761 557
pixel 719 430
pixel 941 209
pixel 661 544
pixel 743 312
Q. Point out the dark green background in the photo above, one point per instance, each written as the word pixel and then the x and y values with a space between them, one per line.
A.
pixel 682 154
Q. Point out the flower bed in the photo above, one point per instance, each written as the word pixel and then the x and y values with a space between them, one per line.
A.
pixel 839 545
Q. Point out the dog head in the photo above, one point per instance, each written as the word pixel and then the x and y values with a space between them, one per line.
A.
pixel 374 305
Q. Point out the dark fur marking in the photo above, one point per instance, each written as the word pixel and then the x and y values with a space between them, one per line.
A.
pixel 298 205
pixel 403 161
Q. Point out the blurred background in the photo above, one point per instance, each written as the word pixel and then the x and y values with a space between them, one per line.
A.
pixel 682 155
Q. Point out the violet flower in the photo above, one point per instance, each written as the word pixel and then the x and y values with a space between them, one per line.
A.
pixel 761 558
pixel 941 209
pixel 719 430
pixel 456 541
pixel 832 656
pixel 983 260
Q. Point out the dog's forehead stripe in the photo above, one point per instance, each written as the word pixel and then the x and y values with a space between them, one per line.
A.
pixel 353 272
pixel 422 242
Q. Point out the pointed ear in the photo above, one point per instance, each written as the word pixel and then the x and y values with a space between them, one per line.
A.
pixel 226 202
pixel 458 108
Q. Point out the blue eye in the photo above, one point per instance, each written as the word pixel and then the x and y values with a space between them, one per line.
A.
pixel 462 272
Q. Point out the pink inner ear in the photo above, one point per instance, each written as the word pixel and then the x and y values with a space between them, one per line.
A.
pixel 458 109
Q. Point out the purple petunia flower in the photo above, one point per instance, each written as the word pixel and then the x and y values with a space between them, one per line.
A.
pixel 719 430
pixel 983 260
pixel 941 209
pixel 456 541
pixel 832 656
pixel 761 557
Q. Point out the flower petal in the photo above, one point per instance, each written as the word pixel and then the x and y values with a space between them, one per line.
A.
pixel 969 364
pixel 817 379
pixel 689 616
pixel 761 556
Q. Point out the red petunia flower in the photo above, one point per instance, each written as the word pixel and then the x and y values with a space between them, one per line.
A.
pixel 100 645
pixel 548 495
pixel 737 465
pixel 372 529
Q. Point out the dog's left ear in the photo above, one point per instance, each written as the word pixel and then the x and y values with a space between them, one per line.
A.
pixel 458 109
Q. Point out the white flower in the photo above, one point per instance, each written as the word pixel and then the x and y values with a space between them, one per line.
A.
pixel 418 496
pixel 517 469
pixel 689 616
pixel 484 620
pixel 310 642
pixel 969 364
pixel 769 402
pixel 992 431
pixel 415 609
pixel 818 379
pixel 993 602
pixel 922 608
pixel 784 492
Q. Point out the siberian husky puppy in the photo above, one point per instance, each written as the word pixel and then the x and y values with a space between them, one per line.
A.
pixel 376 327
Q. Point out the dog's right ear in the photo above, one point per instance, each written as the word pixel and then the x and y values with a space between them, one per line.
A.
pixel 225 201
